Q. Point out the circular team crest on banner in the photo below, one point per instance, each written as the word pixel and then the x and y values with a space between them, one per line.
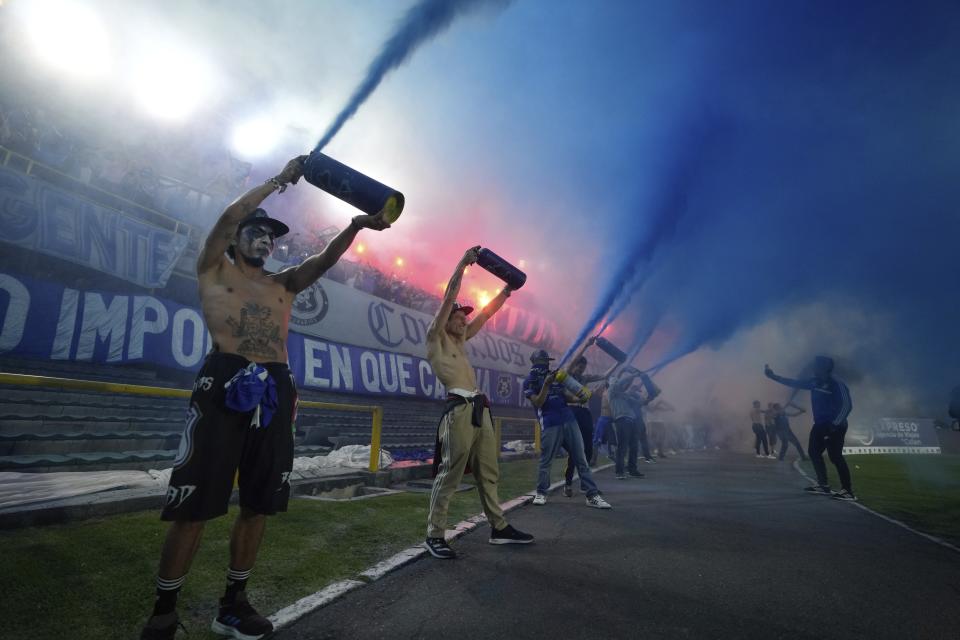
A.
pixel 503 386
pixel 310 306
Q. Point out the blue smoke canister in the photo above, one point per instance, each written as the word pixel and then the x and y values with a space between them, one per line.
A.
pixel 611 350
pixel 501 268
pixel 351 186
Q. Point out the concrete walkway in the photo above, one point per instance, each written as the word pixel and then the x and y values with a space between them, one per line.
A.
pixel 709 545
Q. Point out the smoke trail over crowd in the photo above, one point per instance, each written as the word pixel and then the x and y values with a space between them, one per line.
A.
pixel 819 198
pixel 692 148
pixel 422 22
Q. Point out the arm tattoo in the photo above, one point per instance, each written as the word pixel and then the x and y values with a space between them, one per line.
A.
pixel 455 281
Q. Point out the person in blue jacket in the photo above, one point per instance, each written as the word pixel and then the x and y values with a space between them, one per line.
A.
pixel 831 405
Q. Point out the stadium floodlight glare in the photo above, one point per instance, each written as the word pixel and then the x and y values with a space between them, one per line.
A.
pixel 255 138
pixel 67 36
pixel 171 82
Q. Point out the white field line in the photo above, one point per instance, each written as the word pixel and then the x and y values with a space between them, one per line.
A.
pixel 902 525
pixel 331 592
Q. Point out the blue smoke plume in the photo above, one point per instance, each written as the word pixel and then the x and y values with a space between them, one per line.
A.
pixel 422 22
pixel 692 149
pixel 837 190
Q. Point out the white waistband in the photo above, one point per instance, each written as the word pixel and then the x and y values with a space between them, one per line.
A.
pixel 463 393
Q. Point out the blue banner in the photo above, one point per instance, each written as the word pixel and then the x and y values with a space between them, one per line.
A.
pixel 44 320
pixel 38 216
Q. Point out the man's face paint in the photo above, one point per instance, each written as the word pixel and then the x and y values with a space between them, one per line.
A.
pixel 255 243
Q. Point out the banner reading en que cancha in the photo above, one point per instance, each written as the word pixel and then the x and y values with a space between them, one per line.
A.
pixel 893 435
pixel 45 320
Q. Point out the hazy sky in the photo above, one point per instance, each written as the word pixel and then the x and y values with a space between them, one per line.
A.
pixel 741 165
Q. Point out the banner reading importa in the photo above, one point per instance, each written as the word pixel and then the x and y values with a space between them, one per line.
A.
pixel 45 320
pixel 894 435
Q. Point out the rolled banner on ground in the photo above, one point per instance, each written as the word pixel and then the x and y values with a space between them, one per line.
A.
pixel 353 187
pixel 611 349
pixel 501 268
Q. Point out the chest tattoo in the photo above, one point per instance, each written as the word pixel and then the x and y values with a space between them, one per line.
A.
pixel 260 333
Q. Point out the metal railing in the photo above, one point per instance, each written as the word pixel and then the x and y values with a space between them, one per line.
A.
pixel 24 380
pixel 498 429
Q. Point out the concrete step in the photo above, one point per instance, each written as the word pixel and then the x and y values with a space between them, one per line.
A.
pixel 20 462
pixel 58 397
pixel 87 425
pixel 113 460
pixel 13 410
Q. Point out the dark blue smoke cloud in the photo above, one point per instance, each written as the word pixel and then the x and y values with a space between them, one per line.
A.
pixel 422 22
pixel 838 187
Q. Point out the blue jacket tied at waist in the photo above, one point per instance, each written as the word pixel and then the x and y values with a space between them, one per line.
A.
pixel 253 389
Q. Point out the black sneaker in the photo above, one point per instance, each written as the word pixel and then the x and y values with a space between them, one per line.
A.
pixel 635 474
pixel 567 491
pixel 844 494
pixel 509 535
pixel 240 620
pixel 162 627
pixel 621 476
pixel 439 548
pixel 818 490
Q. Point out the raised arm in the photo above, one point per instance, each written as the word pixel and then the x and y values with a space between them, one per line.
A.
pixel 789 382
pixel 450 296
pixel 306 273
pixel 582 350
pixel 623 383
pixel 652 390
pixel 488 310
pixel 225 229
pixel 540 397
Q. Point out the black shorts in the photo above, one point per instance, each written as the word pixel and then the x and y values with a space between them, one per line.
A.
pixel 219 444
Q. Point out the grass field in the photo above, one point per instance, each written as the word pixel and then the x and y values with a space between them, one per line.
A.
pixel 95 579
pixel 922 491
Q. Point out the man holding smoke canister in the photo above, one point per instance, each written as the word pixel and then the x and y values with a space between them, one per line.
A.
pixel 624 405
pixel 240 420
pixel 558 426
pixel 465 433
pixel 578 370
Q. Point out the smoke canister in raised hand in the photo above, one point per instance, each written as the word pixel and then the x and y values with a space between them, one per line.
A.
pixel 501 268
pixel 611 349
pixel 353 187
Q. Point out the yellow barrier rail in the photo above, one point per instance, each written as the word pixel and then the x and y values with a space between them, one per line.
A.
pixel 498 429
pixel 24 380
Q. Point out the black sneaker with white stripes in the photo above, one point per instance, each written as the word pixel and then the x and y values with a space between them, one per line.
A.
pixel 439 548
pixel 509 535
pixel 844 494
pixel 240 620
pixel 818 490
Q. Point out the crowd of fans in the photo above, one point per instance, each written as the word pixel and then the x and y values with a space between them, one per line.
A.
pixel 355 274
pixel 180 175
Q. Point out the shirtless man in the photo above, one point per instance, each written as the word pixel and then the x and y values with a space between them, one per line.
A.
pixel 240 419
pixel 465 433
